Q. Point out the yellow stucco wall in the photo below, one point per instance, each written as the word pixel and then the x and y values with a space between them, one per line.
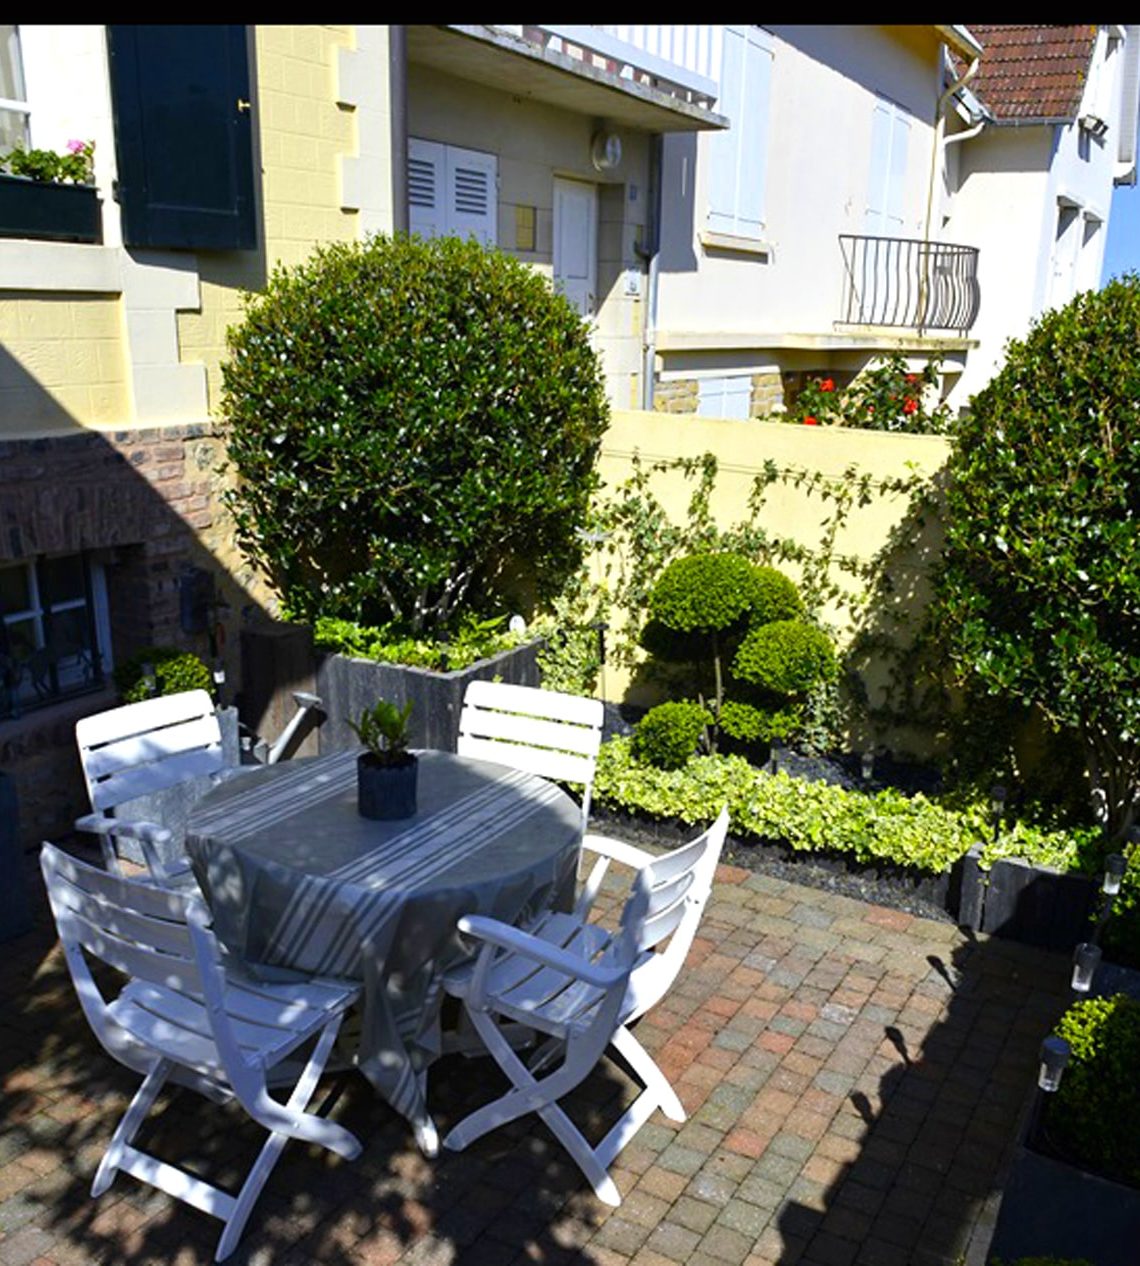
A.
pixel 742 448
pixel 61 357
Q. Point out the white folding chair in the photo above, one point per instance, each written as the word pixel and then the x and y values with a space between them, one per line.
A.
pixel 139 749
pixel 583 987
pixel 183 1017
pixel 541 732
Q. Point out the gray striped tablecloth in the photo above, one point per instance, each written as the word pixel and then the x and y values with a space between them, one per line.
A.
pixel 298 881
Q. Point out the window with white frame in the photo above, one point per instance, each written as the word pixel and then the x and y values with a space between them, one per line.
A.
pixel 738 157
pixel 54 631
pixel 13 95
pixel 452 192
pixel 727 396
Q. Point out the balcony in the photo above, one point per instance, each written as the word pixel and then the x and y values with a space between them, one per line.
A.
pixel 909 283
pixel 643 78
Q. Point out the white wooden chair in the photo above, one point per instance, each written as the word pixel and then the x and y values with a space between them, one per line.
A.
pixel 543 732
pixel 182 1017
pixel 583 987
pixel 139 749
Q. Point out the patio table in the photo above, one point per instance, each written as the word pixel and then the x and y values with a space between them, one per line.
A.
pixel 298 881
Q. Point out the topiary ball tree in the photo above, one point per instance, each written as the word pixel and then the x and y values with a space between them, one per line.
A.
pixel 1038 596
pixel 413 424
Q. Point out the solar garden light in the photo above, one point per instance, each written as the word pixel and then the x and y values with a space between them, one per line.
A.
pixel 997 805
pixel 867 765
pixel 1113 874
pixel 149 680
pixel 1086 959
pixel 1054 1059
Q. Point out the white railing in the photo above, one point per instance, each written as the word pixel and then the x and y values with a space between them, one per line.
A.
pixel 681 60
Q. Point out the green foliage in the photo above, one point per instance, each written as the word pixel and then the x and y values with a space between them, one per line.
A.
pixel 887 397
pixel 669 734
pixel 571 658
pixel 704 593
pixel 174 672
pixel 814 816
pixel 750 724
pixel 383 730
pixel 77 166
pixel 1095 1115
pixel 1039 591
pixel 412 423
pixel 774 597
pixel 1121 936
pixel 808 816
pixel 473 640
pixel 786 657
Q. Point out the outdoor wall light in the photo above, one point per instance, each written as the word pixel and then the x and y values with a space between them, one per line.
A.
pixel 1086 959
pixel 517 624
pixel 1113 874
pixel 1054 1059
pixel 605 151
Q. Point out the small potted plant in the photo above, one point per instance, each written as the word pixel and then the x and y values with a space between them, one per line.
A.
pixel 386 772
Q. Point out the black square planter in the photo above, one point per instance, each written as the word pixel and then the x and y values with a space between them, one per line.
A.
pixel 60 213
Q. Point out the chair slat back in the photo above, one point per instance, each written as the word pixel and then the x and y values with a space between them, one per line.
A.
pixel 138 929
pixel 680 883
pixel 543 732
pixel 146 747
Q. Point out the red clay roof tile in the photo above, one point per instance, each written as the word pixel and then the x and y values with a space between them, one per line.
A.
pixel 1033 72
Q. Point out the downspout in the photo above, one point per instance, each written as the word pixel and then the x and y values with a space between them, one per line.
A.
pixel 398 92
pixel 939 128
pixel 651 253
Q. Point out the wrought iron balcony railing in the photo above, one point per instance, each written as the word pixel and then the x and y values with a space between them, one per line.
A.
pixel 910 283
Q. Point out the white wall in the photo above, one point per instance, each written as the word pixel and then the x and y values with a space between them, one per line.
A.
pixel 823 91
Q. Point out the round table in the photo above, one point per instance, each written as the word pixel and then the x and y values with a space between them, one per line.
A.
pixel 298 881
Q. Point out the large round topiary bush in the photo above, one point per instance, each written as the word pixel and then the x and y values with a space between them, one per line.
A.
pixel 1039 591
pixel 414 424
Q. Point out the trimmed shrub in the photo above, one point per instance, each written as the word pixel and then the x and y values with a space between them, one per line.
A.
pixel 174 671
pixel 669 734
pixel 1040 582
pixel 704 593
pixel 749 724
pixel 1095 1115
pixel 775 597
pixel 786 657
pixel 413 423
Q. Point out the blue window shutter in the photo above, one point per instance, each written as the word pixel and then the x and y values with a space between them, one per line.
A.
pixel 183 136
pixel 738 158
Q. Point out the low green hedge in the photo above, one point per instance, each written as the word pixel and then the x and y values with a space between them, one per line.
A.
pixel 886 827
pixel 475 640
pixel 174 672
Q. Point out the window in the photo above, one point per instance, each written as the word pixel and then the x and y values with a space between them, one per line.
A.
pixel 727 397
pixel 452 192
pixel 54 633
pixel 886 182
pixel 738 158
pixel 13 95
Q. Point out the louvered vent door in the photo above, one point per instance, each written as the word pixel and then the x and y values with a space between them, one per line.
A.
pixel 452 191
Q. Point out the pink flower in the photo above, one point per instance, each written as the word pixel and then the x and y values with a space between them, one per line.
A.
pixel 76 147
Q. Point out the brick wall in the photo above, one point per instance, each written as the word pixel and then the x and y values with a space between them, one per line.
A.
pixel 150 497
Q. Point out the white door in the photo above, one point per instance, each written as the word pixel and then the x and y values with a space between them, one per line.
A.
pixel 576 243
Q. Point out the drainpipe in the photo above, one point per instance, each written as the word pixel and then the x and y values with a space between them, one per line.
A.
pixel 651 254
pixel 398 93
pixel 939 129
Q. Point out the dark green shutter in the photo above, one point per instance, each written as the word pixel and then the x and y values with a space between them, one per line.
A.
pixel 183 135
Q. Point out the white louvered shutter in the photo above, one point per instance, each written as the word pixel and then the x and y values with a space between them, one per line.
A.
pixel 472 196
pixel 738 158
pixel 427 188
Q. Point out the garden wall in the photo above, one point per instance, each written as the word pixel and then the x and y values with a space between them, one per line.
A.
pixel 742 448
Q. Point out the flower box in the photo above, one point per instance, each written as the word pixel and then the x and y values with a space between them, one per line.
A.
pixel 54 212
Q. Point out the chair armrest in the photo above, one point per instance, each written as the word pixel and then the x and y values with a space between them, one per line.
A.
pixel 144 832
pixel 608 850
pixel 497 935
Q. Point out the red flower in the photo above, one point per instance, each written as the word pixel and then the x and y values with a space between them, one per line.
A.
pixel 827 384
pixel 810 421
pixel 912 378
pixel 910 405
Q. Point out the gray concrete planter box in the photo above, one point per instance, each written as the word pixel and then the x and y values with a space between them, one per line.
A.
pixel 348 686
pixel 1021 902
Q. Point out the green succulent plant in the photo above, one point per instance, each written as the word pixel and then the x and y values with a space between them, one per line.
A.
pixel 383 730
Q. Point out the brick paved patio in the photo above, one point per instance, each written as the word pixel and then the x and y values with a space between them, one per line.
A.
pixel 853 1077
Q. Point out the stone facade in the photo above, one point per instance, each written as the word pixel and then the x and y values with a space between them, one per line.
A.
pixel 682 395
pixel 147 502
